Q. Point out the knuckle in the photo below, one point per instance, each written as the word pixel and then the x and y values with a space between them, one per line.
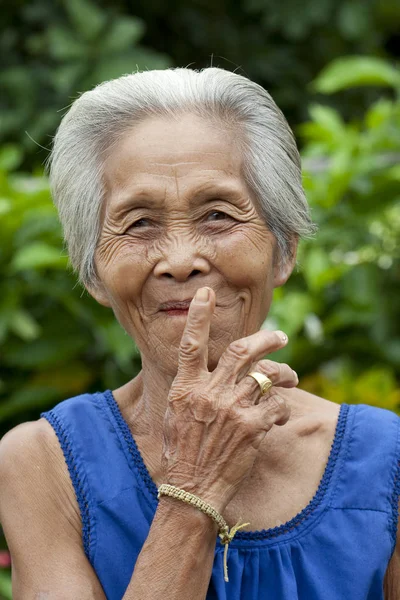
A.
pixel 286 370
pixel 190 344
pixel 277 404
pixel 239 349
pixel 273 370
pixel 203 408
pixel 282 410
pixel 244 423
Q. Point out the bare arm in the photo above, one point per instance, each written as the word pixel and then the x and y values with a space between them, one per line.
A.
pixel 177 557
pixel 43 531
pixel 391 584
pixel 41 522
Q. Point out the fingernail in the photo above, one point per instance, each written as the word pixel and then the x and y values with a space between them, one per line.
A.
pixel 202 295
pixel 295 374
pixel 283 337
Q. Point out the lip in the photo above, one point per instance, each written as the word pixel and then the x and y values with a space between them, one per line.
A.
pixel 176 305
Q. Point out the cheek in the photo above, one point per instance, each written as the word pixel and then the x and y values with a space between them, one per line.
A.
pixel 122 272
pixel 247 259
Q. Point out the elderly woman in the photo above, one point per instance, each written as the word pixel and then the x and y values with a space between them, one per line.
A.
pixel 210 475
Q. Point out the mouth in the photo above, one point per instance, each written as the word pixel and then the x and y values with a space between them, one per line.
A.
pixel 176 312
pixel 176 308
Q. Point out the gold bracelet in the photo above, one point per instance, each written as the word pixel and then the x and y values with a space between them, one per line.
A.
pixel 224 532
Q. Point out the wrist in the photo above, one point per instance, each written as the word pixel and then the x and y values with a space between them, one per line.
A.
pixel 174 509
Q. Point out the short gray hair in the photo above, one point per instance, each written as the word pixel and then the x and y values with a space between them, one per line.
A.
pixel 99 117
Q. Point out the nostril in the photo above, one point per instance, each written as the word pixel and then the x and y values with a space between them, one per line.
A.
pixel 195 272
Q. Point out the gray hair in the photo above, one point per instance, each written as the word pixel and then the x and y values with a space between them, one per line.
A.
pixel 99 117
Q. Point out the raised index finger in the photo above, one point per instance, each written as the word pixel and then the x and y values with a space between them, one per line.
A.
pixel 193 349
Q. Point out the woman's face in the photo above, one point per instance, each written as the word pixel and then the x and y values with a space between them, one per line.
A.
pixel 178 216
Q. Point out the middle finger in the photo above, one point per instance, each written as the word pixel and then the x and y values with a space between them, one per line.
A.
pixel 280 374
pixel 236 360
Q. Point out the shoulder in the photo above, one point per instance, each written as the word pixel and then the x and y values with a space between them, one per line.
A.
pixel 32 465
pixel 311 414
pixel 26 444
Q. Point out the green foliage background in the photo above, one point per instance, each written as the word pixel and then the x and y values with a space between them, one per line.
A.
pixel 331 65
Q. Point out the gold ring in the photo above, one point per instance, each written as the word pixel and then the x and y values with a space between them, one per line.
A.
pixel 263 381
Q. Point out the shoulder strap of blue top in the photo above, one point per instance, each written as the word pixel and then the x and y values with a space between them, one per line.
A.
pixel 369 472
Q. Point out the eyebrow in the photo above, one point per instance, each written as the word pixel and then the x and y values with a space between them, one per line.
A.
pixel 144 197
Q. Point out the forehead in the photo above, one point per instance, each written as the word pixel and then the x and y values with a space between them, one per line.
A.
pixel 187 153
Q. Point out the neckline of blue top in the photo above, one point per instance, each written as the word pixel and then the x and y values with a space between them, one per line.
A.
pixel 310 514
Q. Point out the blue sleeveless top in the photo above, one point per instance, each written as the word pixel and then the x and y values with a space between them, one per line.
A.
pixel 337 547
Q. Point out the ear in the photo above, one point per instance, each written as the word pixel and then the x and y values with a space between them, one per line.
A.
pixel 99 293
pixel 282 271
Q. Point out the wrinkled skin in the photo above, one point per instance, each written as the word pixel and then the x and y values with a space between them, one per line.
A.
pixel 168 178
pixel 178 216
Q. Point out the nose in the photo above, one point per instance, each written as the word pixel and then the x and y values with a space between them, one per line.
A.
pixel 181 260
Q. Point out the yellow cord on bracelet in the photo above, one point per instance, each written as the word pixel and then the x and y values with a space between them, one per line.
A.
pixel 226 537
pixel 225 533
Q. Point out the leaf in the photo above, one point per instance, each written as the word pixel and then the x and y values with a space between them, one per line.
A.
pixel 24 325
pixel 118 343
pixel 355 71
pixel 378 388
pixel 87 19
pixel 126 63
pixel 317 269
pixel 11 157
pixel 291 311
pixel 123 33
pixel 353 20
pixel 66 76
pixel 27 398
pixel 378 113
pixel 328 119
pixel 63 44
pixel 5 585
pixel 59 379
pixel 393 173
pixel 38 255
pixel 44 352
pixel 5 206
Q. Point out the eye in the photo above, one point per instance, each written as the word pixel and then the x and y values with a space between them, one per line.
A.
pixel 218 214
pixel 139 224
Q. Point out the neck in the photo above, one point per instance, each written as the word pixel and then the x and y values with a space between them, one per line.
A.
pixel 144 400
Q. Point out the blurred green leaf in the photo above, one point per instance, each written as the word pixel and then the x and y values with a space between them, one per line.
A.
pixel 87 18
pixel 66 76
pixel 63 44
pixel 38 255
pixel 24 325
pixel 11 157
pixel 118 343
pixel 291 311
pixel 379 113
pixel 5 206
pixel 5 585
pixel 328 120
pixel 354 71
pixel 116 65
pixel 41 353
pixel 318 269
pixel 123 33
pixel 26 399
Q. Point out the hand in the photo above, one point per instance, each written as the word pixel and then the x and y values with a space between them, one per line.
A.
pixel 214 424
